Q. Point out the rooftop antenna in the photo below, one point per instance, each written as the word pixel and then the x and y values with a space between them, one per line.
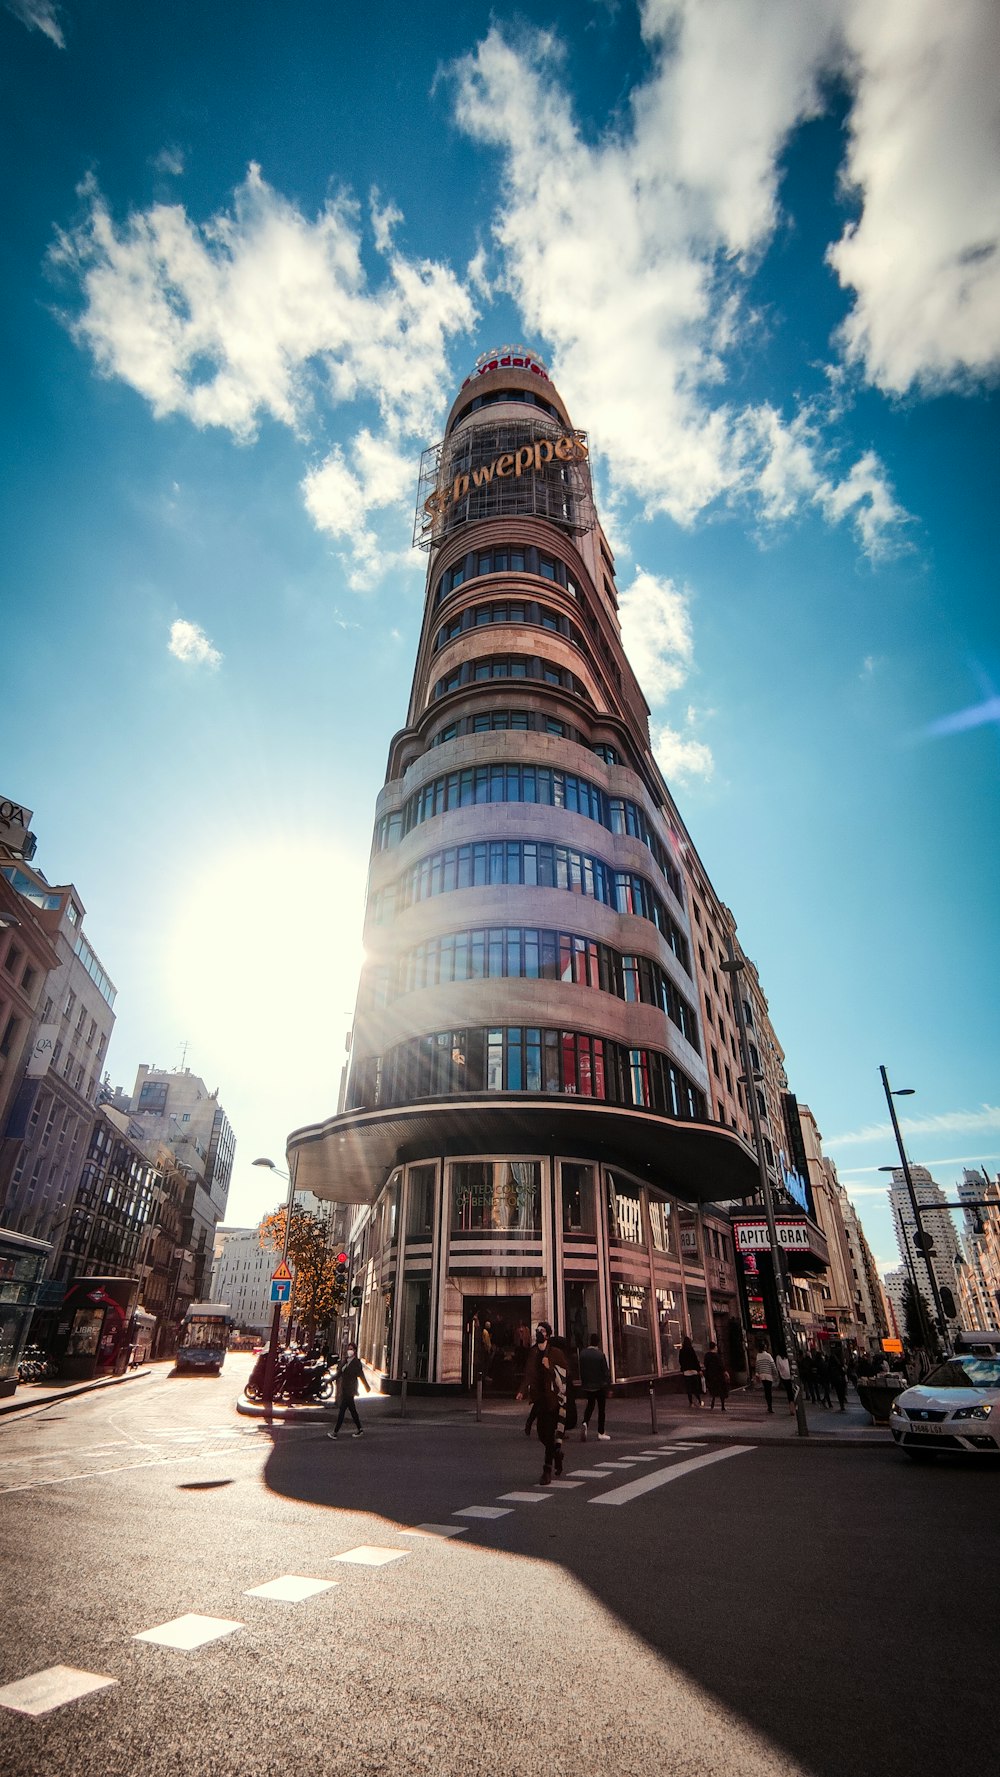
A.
pixel 184 1050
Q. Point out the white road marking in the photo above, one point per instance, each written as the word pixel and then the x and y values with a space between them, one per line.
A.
pixel 564 1483
pixel 594 1474
pixel 620 1496
pixel 372 1555
pixel 531 1499
pixel 622 1462
pixel 435 1530
pixel 50 1689
pixel 291 1588
pixel 189 1631
pixel 483 1512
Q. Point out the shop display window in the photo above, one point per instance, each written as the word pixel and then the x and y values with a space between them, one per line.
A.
pixel 625 1211
pixel 496 1196
pixel 420 1203
pixel 578 1200
pixel 633 1345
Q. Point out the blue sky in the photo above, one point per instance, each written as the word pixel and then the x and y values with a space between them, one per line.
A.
pixel 248 255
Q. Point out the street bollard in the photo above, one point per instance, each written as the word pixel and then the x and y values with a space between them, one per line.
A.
pixel 402 1397
pixel 479 1399
pixel 652 1406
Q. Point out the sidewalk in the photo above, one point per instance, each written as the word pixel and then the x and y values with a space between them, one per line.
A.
pixel 745 1419
pixel 41 1394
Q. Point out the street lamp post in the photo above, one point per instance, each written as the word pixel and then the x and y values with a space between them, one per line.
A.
pixel 734 968
pixel 272 1348
pixel 907 1092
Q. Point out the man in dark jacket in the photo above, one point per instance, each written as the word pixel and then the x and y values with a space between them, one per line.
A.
pixel 348 1377
pixel 595 1380
pixel 545 1383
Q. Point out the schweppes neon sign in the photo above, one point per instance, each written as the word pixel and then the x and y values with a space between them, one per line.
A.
pixel 530 458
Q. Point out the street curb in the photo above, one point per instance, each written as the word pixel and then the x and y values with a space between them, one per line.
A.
pixel 307 1415
pixel 13 1405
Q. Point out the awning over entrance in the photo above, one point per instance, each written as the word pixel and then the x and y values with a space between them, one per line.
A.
pixel 348 1158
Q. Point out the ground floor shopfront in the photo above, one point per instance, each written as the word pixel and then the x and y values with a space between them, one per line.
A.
pixel 458 1258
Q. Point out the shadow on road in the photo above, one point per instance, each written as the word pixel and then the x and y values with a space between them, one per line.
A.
pixel 828 1597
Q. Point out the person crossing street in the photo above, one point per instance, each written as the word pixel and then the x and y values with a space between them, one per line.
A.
pixel 545 1383
pixel 349 1375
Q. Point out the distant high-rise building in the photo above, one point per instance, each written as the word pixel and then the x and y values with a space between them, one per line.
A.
pixel 241 1276
pixel 982 1246
pixel 175 1109
pixel 936 1223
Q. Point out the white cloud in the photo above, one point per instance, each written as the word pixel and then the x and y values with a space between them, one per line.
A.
pixel 655 617
pixel 242 318
pixel 262 313
pixel 39 15
pixel 170 160
pixel 987 1117
pixel 656 633
pixel 629 255
pixel 190 643
pixel 680 757
pixel 343 490
pixel 923 258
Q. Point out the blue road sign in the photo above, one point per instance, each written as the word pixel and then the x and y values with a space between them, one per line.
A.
pixel 281 1289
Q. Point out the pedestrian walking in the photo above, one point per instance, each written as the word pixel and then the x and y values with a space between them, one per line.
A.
pixel 838 1377
pixel 545 1383
pixel 691 1371
pixel 716 1377
pixel 821 1371
pixel 807 1375
pixel 766 1373
pixel 784 1369
pixel 349 1375
pixel 595 1380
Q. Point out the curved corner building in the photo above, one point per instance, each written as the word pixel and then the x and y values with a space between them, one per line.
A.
pixel 526 1115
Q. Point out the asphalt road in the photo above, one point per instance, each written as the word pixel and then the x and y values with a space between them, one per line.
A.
pixel 793 1610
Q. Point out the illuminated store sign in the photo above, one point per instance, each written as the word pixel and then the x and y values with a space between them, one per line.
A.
pixel 508 358
pixel 752 1237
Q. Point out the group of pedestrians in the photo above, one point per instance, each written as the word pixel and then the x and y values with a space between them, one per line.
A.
pixel 822 1372
pixel 546 1382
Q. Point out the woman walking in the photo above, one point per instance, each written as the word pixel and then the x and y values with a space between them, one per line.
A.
pixel 348 1377
pixel 691 1371
pixel 716 1377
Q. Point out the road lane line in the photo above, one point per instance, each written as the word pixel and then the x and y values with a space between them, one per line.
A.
pixel 621 1496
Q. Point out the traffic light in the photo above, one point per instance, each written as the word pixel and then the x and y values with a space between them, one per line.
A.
pixel 340 1277
pixel 948 1302
pixel 356 1297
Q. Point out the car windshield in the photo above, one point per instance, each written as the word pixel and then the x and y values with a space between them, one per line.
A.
pixel 965 1371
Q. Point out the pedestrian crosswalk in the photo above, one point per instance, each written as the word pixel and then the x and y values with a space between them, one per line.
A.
pixel 55 1687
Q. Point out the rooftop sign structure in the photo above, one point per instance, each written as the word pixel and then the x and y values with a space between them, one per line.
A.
pixel 504 469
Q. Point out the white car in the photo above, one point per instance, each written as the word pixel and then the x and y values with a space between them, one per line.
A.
pixel 955 1407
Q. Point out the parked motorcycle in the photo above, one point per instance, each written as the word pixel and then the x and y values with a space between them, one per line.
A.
pixel 296 1378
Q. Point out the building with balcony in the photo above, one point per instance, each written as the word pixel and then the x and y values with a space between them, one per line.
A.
pixel 543 1106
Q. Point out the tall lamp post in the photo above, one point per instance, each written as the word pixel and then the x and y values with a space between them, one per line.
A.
pixel 907 1092
pixel 272 1348
pixel 734 968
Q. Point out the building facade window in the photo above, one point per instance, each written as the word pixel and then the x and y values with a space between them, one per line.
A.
pixel 478 785
pixel 490 863
pixel 496 1196
pixel 515 1058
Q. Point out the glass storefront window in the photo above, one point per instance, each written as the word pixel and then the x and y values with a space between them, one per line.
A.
pixel 659 1222
pixel 496 1196
pixel 420 1203
pixel 698 1317
pixel 583 1314
pixel 578 1200
pixel 624 1211
pixel 630 1330
pixel 415 1355
pixel 668 1319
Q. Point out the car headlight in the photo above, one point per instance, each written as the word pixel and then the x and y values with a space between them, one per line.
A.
pixel 897 1410
pixel 973 1413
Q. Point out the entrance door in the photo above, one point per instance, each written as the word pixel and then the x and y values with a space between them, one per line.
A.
pixel 499 1360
